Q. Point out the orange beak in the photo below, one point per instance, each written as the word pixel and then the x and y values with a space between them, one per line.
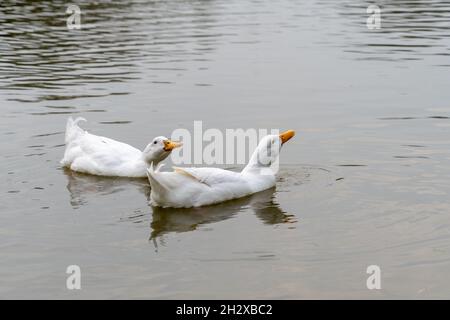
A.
pixel 169 145
pixel 285 136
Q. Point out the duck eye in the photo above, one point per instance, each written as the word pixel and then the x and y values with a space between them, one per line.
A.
pixel 154 142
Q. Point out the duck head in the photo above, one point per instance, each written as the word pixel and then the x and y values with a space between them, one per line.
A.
pixel 159 149
pixel 267 152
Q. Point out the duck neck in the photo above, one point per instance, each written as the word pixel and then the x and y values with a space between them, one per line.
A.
pixel 264 160
pixel 149 160
pixel 256 165
pixel 252 166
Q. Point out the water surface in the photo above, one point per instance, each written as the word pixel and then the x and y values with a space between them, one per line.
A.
pixel 365 181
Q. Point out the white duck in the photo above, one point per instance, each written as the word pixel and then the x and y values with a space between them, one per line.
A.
pixel 194 187
pixel 98 155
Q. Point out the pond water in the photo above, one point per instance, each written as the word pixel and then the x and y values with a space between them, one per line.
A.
pixel 366 180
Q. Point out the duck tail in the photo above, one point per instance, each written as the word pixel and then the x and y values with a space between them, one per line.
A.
pixel 72 129
pixel 159 188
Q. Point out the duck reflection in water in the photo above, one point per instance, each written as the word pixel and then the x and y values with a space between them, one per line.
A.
pixel 167 220
pixel 81 186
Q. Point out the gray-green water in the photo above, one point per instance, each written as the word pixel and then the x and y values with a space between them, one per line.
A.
pixel 365 181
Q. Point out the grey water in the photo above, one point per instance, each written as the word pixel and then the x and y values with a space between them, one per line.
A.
pixel 365 181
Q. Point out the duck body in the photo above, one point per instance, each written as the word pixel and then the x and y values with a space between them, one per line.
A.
pixel 97 155
pixel 195 187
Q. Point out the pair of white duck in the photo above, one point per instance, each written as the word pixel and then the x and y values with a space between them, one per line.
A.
pixel 183 187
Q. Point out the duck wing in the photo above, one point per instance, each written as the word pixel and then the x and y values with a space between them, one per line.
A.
pixel 94 154
pixel 193 187
pixel 211 176
pixel 108 150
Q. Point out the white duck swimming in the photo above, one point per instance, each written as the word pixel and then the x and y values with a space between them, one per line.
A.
pixel 194 187
pixel 97 155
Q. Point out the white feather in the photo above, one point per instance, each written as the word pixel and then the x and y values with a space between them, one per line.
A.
pixel 98 155
pixel 194 187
